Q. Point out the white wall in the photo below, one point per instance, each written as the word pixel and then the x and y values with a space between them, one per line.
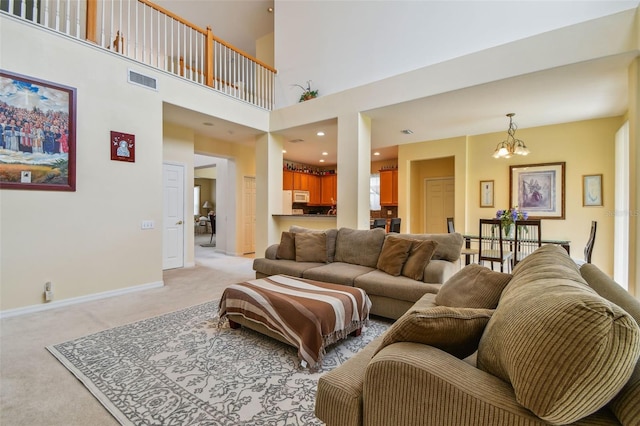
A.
pixel 323 41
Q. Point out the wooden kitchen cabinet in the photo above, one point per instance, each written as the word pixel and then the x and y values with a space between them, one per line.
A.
pixel 389 187
pixel 301 181
pixel 315 190
pixel 287 180
pixel 329 190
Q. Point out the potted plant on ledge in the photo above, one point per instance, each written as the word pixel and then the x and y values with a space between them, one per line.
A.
pixel 307 93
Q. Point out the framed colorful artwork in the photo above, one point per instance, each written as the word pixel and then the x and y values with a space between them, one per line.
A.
pixel 592 190
pixel 38 134
pixel 123 147
pixel 538 189
pixel 486 193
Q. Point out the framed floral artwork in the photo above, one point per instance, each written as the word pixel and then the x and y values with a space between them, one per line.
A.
pixel 37 134
pixel 538 189
pixel 592 190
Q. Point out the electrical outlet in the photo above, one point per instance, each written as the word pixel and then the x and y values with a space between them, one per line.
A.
pixel 48 291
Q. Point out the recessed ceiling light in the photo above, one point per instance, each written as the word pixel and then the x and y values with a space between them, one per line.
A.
pixel 407 131
pixel 376 153
pixel 284 151
pixel 207 123
pixel 270 9
pixel 325 153
pixel 320 133
pixel 322 160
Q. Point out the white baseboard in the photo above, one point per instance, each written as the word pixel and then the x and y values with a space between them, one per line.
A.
pixel 75 300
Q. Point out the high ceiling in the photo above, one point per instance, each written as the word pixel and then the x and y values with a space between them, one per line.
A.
pixel 581 91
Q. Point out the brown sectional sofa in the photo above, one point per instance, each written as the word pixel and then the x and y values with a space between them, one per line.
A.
pixel 561 347
pixel 352 257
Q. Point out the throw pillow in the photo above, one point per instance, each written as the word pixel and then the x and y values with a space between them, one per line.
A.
pixel 474 286
pixel 565 350
pixel 287 246
pixel 453 330
pixel 394 253
pixel 419 257
pixel 331 238
pixel 311 247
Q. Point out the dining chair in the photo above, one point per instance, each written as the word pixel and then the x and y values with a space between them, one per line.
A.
pixel 450 227
pixel 588 249
pixel 491 246
pixel 212 220
pixel 379 223
pixel 394 225
pixel 527 238
pixel 467 252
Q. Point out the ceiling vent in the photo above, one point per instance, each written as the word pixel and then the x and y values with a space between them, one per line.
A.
pixel 142 80
pixel 296 140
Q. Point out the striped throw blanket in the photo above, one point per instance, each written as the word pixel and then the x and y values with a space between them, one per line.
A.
pixel 310 315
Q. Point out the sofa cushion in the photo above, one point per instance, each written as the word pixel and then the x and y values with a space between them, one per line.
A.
pixel 311 247
pixel 393 255
pixel 331 233
pixel 565 350
pixel 401 288
pixel 626 404
pixel 454 330
pixel 419 257
pixel 287 246
pixel 474 286
pixel 449 245
pixel 359 246
pixel 268 267
pixel 337 273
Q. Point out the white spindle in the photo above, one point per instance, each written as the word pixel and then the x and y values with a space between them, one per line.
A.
pixel 67 16
pixel 57 15
pixel 158 52
pixel 35 12
pixel 78 35
pixel 23 9
pixel 144 33
pixel 102 24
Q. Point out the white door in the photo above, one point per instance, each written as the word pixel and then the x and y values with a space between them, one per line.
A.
pixel 249 214
pixel 173 217
pixel 439 204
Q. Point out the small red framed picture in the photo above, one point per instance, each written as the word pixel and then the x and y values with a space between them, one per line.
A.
pixel 123 147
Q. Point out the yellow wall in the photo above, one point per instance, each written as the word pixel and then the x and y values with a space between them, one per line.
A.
pixel 587 147
pixel 90 242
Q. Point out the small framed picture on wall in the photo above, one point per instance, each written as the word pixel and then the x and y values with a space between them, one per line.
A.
pixel 486 193
pixel 592 190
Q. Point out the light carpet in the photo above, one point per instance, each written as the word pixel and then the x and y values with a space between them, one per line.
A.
pixel 183 369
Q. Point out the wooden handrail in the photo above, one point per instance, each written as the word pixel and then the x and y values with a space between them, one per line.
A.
pixel 173 15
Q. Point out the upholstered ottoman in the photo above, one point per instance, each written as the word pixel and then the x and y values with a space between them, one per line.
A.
pixel 307 314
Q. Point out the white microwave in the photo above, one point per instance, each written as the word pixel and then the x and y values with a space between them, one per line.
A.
pixel 300 196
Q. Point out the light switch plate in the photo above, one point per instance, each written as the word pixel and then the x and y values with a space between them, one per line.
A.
pixel 147 224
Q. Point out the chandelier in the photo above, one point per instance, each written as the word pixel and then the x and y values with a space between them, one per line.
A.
pixel 511 146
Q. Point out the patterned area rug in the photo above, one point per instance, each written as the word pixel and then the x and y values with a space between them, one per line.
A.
pixel 182 369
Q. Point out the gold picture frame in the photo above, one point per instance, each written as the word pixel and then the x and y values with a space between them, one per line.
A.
pixel 486 193
pixel 592 191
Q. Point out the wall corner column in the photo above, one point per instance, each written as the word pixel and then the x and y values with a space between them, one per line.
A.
pixel 268 190
pixel 354 171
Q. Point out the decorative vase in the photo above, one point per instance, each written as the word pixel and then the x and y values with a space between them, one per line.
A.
pixel 509 230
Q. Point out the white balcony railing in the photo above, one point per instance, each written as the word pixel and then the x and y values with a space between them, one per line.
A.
pixel 147 33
